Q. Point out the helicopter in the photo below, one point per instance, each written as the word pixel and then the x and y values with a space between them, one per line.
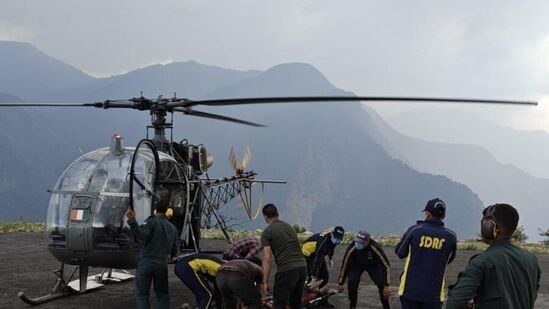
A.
pixel 85 218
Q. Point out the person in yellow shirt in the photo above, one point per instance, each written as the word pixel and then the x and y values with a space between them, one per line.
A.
pixel 198 271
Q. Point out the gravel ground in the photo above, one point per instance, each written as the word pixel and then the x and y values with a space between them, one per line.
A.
pixel 27 266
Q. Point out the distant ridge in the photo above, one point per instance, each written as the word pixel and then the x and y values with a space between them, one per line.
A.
pixel 30 74
pixel 8 98
pixel 188 79
pixel 475 166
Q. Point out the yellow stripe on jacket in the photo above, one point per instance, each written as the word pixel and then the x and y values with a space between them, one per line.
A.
pixel 206 266
pixel 405 272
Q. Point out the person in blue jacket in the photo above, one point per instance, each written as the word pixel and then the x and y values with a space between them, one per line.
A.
pixel 428 248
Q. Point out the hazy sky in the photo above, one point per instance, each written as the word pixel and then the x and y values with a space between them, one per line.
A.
pixel 496 49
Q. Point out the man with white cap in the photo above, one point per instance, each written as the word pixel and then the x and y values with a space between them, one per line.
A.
pixel 365 254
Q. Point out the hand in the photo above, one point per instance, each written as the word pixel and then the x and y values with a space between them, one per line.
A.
pixel 341 288
pixel 311 282
pixel 386 292
pixel 130 213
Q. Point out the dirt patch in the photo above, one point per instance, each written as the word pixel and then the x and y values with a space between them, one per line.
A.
pixel 27 266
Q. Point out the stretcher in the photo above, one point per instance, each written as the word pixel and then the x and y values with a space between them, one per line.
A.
pixel 309 299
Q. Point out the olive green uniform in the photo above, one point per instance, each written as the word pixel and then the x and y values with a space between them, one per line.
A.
pixel 158 237
pixel 502 277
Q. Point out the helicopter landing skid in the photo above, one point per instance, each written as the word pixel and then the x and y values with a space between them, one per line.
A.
pixel 64 289
pixel 43 299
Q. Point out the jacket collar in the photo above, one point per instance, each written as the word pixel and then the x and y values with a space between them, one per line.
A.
pixel 432 221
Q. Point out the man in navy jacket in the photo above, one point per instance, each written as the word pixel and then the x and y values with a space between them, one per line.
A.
pixel 428 248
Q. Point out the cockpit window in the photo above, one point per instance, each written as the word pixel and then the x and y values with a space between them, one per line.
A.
pixel 78 176
pixel 145 171
pixel 104 175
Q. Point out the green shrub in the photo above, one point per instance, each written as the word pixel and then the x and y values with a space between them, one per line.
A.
pixel 519 235
pixel 299 229
pixel 21 226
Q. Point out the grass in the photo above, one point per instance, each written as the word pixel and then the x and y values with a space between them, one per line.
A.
pixel 386 241
pixel 21 226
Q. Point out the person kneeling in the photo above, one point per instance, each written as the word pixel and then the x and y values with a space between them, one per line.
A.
pixel 240 280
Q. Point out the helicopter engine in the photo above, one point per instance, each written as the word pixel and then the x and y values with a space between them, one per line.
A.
pixel 196 156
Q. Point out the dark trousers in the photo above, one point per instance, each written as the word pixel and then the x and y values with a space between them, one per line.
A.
pixel 202 286
pixel 377 275
pixel 149 271
pixel 235 286
pixel 288 288
pixel 322 271
pixel 412 304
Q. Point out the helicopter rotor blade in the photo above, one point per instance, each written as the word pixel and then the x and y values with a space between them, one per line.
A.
pixel 142 103
pixel 44 105
pixel 216 116
pixel 131 103
pixel 265 100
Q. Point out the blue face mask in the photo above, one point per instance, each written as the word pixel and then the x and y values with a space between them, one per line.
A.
pixel 359 246
pixel 335 241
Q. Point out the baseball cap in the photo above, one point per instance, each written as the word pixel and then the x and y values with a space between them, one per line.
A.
pixel 362 237
pixel 338 232
pixel 436 207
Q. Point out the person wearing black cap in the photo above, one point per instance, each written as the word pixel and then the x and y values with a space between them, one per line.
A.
pixel 365 254
pixel 315 249
pixel 504 276
pixel 428 248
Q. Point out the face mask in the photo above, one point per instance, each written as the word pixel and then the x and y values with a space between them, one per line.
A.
pixel 359 246
pixel 335 241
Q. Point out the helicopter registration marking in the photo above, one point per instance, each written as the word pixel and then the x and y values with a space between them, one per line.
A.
pixel 116 194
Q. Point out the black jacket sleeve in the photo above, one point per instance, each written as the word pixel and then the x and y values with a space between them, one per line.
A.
pixel 347 260
pixel 379 255
pixel 322 250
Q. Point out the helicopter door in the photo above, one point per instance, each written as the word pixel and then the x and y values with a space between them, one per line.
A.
pixel 143 177
pixel 80 209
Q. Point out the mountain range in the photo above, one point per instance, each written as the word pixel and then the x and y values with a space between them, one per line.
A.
pixel 496 173
pixel 341 165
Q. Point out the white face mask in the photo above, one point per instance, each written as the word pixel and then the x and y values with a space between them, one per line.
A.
pixel 335 241
pixel 359 246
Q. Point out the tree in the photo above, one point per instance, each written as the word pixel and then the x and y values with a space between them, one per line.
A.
pixel 299 229
pixel 546 235
pixel 519 234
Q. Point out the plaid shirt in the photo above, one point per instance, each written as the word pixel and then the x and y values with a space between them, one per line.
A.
pixel 243 248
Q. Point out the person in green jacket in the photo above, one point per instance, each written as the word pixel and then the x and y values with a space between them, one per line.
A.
pixel 502 277
pixel 158 237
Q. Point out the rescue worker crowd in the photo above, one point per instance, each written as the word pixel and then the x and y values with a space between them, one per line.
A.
pixel 503 276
